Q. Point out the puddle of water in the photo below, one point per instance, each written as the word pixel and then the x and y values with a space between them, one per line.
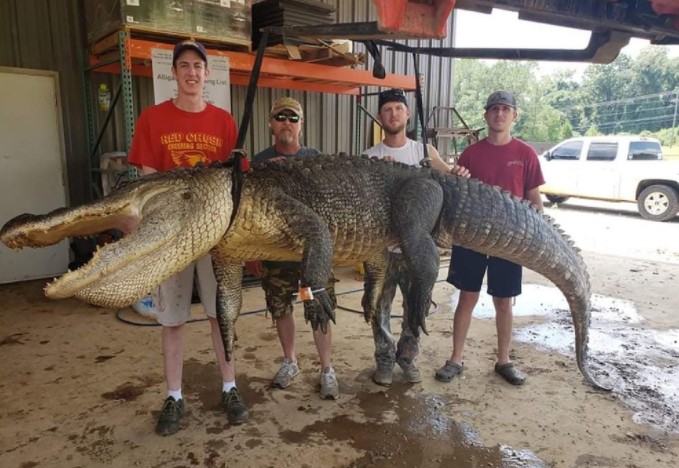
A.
pixel 419 435
pixel 537 300
pixel 643 364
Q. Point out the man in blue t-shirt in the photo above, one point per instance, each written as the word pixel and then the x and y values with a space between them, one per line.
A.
pixel 280 280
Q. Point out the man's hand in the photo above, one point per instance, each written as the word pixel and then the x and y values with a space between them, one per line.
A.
pixel 389 158
pixel 254 268
pixel 460 171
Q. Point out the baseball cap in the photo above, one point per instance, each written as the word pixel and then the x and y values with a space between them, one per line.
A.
pixel 188 44
pixel 287 103
pixel 391 95
pixel 501 97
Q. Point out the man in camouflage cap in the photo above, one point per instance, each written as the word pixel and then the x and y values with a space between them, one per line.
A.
pixel 280 280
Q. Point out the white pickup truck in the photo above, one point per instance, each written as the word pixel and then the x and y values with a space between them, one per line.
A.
pixel 617 168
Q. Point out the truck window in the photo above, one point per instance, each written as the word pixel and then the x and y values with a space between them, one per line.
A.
pixel 602 151
pixel 644 151
pixel 568 151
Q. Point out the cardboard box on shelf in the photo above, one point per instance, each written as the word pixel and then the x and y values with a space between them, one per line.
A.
pixel 221 20
pixel 217 18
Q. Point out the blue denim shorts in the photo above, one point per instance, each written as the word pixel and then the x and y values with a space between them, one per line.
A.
pixel 467 269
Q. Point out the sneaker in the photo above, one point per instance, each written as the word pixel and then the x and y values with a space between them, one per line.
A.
pixel 170 415
pixel 410 372
pixel 236 411
pixel 329 385
pixel 285 374
pixel 383 375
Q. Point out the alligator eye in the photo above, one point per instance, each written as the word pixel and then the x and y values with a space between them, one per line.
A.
pixel 186 195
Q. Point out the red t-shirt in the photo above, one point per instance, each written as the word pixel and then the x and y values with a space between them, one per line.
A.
pixel 514 166
pixel 167 137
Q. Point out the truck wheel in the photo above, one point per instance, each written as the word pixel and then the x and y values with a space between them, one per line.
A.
pixel 658 203
pixel 556 198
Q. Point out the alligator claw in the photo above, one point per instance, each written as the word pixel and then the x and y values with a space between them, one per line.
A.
pixel 320 310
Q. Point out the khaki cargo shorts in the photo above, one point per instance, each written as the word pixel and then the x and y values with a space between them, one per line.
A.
pixel 280 286
pixel 172 299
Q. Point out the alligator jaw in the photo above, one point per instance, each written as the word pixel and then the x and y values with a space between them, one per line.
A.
pixel 116 212
pixel 122 211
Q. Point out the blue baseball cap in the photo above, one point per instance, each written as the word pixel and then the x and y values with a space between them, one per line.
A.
pixel 188 44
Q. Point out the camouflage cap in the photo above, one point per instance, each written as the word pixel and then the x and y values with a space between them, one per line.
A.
pixel 287 103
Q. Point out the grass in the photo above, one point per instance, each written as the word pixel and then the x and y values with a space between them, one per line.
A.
pixel 670 152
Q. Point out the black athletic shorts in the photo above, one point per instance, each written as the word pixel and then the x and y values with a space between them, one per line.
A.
pixel 467 269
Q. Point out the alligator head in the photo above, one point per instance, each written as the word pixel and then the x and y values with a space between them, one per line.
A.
pixel 168 220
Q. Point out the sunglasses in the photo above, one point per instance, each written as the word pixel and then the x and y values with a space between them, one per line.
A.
pixel 283 117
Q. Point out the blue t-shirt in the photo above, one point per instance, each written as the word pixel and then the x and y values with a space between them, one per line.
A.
pixel 271 153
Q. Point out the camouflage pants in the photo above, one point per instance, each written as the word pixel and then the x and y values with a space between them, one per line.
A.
pixel 280 287
pixel 387 351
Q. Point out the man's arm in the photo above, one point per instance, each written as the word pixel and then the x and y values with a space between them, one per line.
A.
pixel 145 170
pixel 439 164
pixel 533 195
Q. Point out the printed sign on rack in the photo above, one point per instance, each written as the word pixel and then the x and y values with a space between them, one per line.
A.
pixel 217 89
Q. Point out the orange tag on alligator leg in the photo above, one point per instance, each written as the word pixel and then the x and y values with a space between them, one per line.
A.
pixel 305 294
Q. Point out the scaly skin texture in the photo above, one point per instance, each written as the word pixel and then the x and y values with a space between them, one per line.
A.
pixel 322 211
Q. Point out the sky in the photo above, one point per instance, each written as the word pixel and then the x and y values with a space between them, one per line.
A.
pixel 474 30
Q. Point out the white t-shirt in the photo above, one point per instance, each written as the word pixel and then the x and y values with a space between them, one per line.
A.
pixel 411 153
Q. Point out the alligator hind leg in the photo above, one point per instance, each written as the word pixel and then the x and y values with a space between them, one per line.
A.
pixel 415 211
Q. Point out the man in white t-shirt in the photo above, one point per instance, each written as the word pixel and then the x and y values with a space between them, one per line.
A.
pixel 394 115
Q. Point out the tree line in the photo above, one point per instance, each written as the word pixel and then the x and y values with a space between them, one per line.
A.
pixel 628 96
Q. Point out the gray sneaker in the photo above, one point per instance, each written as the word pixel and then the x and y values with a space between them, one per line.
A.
pixel 329 385
pixel 410 372
pixel 285 374
pixel 383 375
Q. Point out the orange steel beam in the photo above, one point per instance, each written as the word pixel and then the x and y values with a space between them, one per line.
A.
pixel 237 78
pixel 242 62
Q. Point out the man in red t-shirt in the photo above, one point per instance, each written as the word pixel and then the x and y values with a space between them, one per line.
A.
pixel 183 132
pixel 511 164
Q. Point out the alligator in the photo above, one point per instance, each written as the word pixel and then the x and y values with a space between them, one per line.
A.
pixel 321 211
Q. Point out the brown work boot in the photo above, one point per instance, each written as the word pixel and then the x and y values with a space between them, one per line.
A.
pixel 410 372
pixel 383 375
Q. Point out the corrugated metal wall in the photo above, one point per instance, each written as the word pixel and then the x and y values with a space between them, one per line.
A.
pixel 48 34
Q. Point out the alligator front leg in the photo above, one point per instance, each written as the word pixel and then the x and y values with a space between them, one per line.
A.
pixel 373 285
pixel 422 198
pixel 229 299
pixel 303 226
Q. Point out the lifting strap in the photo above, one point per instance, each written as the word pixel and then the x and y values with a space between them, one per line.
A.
pixel 426 160
pixel 239 153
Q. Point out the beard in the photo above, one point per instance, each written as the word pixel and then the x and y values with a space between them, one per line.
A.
pixel 285 137
pixel 395 129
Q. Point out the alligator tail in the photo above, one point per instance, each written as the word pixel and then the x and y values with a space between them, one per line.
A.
pixel 491 221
